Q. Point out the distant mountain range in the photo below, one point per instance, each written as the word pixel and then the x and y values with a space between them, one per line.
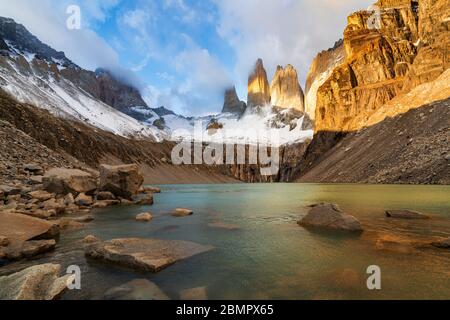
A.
pixel 32 72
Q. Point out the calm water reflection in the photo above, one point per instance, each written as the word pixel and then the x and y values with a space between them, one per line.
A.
pixel 266 255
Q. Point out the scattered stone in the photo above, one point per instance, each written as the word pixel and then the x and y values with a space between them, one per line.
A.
pixel 126 202
pixel 69 199
pixel 64 181
pixel 83 219
pixel 123 181
pixel 406 214
pixel 34 169
pixel 4 241
pixel 181 212
pixel 105 204
pixel 152 190
pixel 145 254
pixel 105 195
pixel 144 217
pixel 139 289
pixel 33 248
pixel 329 216
pixel 91 239
pixel 41 282
pixel 147 200
pixel 41 195
pixel 10 191
pixel 443 244
pixel 198 294
pixel 52 204
pixel 69 224
pixel 35 180
pixel 83 200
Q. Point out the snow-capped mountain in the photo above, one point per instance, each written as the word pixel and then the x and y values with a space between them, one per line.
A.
pixel 34 73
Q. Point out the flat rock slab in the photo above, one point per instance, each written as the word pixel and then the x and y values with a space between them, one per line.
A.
pixel 145 254
pixel 19 228
pixel 139 289
pixel 41 282
pixel 329 216
pixel 406 214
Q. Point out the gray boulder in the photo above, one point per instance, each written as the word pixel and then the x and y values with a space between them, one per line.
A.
pixel 329 216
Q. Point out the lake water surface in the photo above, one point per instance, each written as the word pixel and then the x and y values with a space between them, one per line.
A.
pixel 265 254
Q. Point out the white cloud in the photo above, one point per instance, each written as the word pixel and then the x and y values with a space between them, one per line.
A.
pixel 282 32
pixel 47 21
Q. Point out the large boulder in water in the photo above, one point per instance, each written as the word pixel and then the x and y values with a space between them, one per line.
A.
pixel 40 282
pixel 145 254
pixel 329 216
pixel 123 181
pixel 65 181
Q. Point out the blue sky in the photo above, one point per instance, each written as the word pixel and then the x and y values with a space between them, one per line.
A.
pixel 183 53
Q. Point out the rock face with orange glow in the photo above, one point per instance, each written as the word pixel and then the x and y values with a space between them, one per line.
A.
pixel 285 89
pixel 258 87
pixel 410 48
pixel 321 68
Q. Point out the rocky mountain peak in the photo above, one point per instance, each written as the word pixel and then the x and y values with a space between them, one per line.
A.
pixel 19 39
pixel 285 89
pixel 258 86
pixel 232 104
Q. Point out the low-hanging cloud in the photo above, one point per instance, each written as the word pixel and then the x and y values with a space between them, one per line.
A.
pixel 282 32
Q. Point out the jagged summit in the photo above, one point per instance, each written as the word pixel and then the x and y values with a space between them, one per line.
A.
pixel 232 104
pixel 285 90
pixel 258 86
pixel 20 40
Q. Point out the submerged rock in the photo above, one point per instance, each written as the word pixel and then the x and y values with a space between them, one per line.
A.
pixel 91 239
pixel 41 282
pixel 144 217
pixel 139 289
pixel 329 216
pixel 406 214
pixel 145 254
pixel 223 225
pixel 181 212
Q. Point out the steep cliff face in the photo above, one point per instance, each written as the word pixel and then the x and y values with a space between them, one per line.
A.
pixel 258 87
pixel 232 104
pixel 321 68
pixel 285 89
pixel 409 47
pixel 377 62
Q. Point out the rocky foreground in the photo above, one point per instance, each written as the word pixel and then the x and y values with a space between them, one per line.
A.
pixel 32 216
